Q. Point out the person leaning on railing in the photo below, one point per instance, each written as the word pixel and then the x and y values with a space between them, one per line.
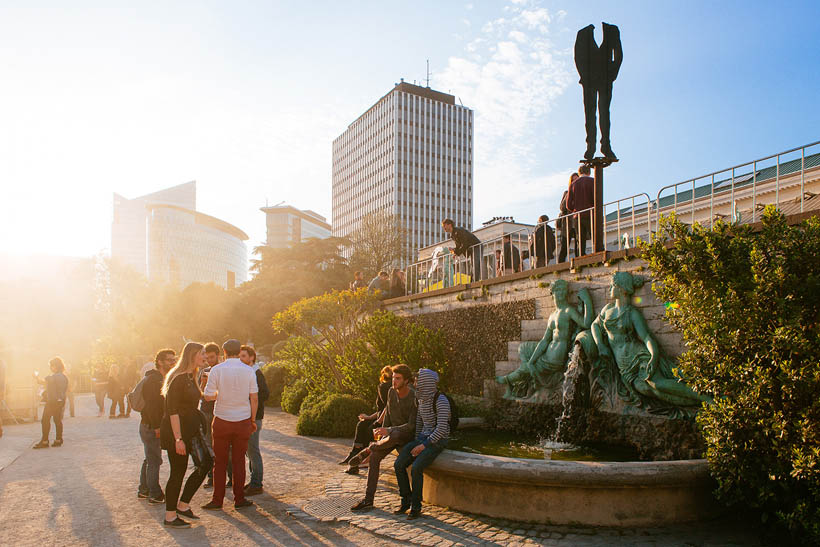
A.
pixel 465 240
pixel 581 197
pixel 542 243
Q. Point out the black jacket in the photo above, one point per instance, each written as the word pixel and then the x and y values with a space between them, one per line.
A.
pixel 598 66
pixel 464 239
pixel 154 401
pixel 538 246
pixel 263 394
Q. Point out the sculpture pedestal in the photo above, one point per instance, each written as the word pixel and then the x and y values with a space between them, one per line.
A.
pixel 597 165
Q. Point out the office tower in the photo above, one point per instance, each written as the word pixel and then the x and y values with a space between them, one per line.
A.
pixel 288 225
pixel 409 155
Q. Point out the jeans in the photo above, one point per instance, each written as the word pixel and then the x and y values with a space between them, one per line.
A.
pixel 209 418
pixel 149 474
pixel 420 462
pixel 178 466
pixel 364 432
pixel 53 411
pixel 234 435
pixel 114 402
pixel 378 451
pixel 255 456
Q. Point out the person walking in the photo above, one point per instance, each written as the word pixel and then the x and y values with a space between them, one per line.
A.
pixel 55 395
pixel 207 407
pixel 432 432
pixel 248 356
pixel 232 384
pixel 115 392
pixel 181 422
pixel 150 423
pixel 397 429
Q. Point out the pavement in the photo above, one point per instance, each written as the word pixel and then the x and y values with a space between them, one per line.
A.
pixel 85 493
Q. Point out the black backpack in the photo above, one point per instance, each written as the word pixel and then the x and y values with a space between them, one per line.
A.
pixel 453 410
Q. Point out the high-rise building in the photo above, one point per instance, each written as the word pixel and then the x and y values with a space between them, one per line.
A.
pixel 288 225
pixel 163 237
pixel 410 155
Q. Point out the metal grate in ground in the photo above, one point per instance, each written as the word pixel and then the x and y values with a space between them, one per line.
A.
pixel 330 508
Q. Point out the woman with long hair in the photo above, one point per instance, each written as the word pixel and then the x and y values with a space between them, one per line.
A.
pixel 180 424
pixel 367 423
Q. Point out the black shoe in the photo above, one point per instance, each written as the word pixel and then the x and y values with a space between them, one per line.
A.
pixel 176 523
pixel 357 459
pixel 212 506
pixel 142 496
pixel 352 470
pixel 229 484
pixel 58 442
pixel 41 444
pixel 403 509
pixel 414 514
pixel 243 503
pixel 156 501
pixel 350 454
pixel 187 513
pixel 364 505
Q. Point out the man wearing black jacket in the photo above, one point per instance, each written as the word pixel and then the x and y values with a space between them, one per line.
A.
pixel 465 242
pixel 149 426
pixel 248 356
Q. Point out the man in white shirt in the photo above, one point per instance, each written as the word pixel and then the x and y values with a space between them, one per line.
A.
pixel 232 384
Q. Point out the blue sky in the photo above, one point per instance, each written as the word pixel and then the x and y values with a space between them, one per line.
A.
pixel 246 98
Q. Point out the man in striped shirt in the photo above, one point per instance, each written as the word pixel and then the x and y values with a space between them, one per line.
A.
pixel 432 432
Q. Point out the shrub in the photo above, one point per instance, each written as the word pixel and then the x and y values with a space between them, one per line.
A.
pixel 332 415
pixel 293 396
pixel 277 375
pixel 747 305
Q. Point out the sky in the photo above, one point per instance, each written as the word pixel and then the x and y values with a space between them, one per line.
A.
pixel 246 98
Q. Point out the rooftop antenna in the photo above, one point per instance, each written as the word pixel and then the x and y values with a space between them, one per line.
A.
pixel 428 73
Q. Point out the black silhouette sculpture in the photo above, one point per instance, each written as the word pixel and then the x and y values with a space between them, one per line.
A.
pixel 598 68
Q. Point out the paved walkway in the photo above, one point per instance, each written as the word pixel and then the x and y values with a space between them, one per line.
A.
pixel 85 493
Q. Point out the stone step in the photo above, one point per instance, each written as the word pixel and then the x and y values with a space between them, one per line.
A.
pixel 503 368
pixel 512 350
pixel 533 329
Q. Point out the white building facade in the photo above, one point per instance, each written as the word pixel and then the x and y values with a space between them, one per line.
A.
pixel 410 155
pixel 287 225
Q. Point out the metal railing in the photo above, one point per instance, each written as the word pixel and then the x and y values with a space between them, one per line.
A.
pixel 726 193
pixel 633 214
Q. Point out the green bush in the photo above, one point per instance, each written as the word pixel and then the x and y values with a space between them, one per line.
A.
pixel 332 415
pixel 293 396
pixel 747 305
pixel 277 375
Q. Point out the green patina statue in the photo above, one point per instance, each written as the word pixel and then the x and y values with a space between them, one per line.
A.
pixel 621 336
pixel 543 363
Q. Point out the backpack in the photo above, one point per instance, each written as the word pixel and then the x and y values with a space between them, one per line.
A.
pixel 135 398
pixel 453 410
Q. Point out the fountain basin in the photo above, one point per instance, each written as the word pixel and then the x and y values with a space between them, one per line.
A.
pixel 566 492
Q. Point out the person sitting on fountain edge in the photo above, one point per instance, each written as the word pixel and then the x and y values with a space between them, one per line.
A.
pixel 432 432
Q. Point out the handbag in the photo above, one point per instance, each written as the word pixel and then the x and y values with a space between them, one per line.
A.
pixel 201 451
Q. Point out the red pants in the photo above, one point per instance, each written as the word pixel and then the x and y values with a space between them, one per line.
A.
pixel 235 435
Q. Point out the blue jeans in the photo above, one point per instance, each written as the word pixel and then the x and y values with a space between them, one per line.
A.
pixel 255 457
pixel 420 462
pixel 149 475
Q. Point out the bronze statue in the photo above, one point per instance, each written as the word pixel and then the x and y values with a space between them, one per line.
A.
pixel 598 68
pixel 543 363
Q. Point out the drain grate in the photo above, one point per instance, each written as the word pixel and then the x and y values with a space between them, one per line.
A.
pixel 330 507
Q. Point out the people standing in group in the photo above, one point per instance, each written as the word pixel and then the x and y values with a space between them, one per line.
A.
pixel 432 433
pixel 181 422
pixel 566 227
pixel 397 283
pixel 99 380
pixel 380 285
pixel 248 356
pixel 55 396
pixel 151 414
pixel 580 197
pixel 368 422
pixel 232 384
pixel 466 242
pixel 205 406
pixel 542 243
pixel 115 392
pixel 358 281
pixel 397 429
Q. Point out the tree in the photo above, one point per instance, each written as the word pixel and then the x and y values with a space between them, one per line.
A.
pixel 377 243
pixel 747 305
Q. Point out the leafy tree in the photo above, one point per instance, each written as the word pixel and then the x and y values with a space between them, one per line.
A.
pixel 377 243
pixel 748 306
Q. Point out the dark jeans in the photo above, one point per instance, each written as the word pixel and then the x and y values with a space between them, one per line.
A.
pixel 420 462
pixel 53 411
pixel 209 418
pixel 178 466
pixel 115 402
pixel 255 456
pixel 149 474
pixel 378 451
pixel 233 435
pixel 364 432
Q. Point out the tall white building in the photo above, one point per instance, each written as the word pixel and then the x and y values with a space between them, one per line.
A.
pixel 163 237
pixel 287 225
pixel 411 155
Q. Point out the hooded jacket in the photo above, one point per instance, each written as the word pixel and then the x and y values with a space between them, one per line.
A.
pixel 432 425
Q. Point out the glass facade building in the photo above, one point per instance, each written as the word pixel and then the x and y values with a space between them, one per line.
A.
pixel 287 225
pixel 410 155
